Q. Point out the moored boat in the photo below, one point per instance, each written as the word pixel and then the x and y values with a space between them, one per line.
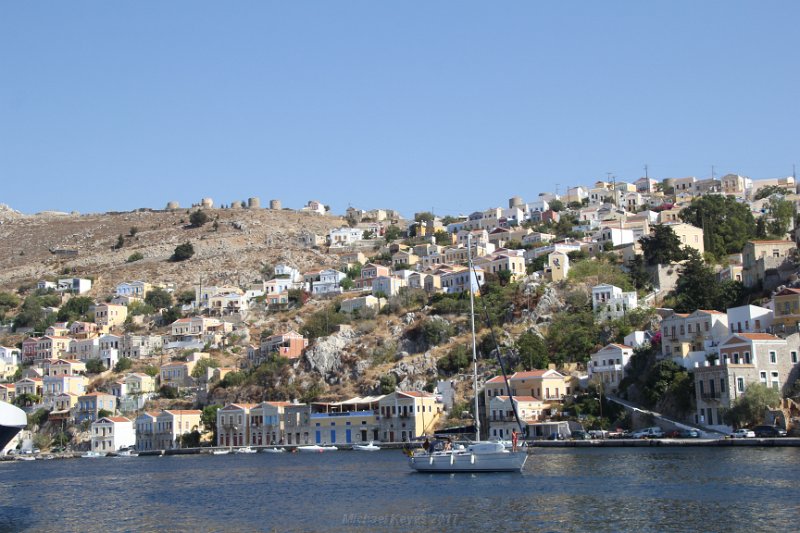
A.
pixel 246 449
pixel 477 456
pixel 12 421
pixel 371 447
pixel 274 450
pixel 92 455
pixel 317 448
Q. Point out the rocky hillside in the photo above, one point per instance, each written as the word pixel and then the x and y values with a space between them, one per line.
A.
pixel 231 248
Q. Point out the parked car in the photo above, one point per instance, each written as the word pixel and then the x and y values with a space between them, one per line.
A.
pixel 654 432
pixel 743 433
pixel 579 435
pixel 684 434
pixel 768 431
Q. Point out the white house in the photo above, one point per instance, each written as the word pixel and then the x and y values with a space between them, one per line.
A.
pixel 329 282
pixel 607 365
pixel 112 433
pixel 345 236
pixel 616 236
pixel 610 302
pixel 749 319
pixel 75 285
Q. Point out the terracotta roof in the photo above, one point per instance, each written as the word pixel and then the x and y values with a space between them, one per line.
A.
pixel 496 379
pixel 97 394
pixel 182 411
pixel 521 398
pixel 115 419
pixel 279 404
pixel 711 311
pixel 624 347
pixel 758 336
pixel 529 374
pixel 768 241
pixel 417 394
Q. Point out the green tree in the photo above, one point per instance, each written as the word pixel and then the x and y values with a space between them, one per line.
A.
pixel 458 358
pixel 697 287
pixel 388 383
pixel 532 351
pixel 200 369
pixel 761 228
pixel 120 242
pixel 198 218
pixel 158 299
pixel 638 273
pixel 123 364
pixel 436 332
pixel 183 252
pixel 346 284
pixel 190 439
pixel 168 392
pixel 95 366
pixel 103 413
pixel 8 301
pixel 185 297
pixel 556 205
pixel 572 336
pixel 662 246
pixel 209 419
pixel 133 231
pixel 392 233
pixel 424 216
pixel 783 213
pixel 151 370
pixel 135 256
pixel 748 409
pixel 30 314
pixel 443 238
pixel 727 224
pixel 769 190
pixel 76 308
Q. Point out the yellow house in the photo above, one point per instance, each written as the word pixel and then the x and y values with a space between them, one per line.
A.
pixel 689 235
pixel 760 256
pixel 110 315
pixel 786 305
pixel 557 266
pixel 407 415
pixel 548 386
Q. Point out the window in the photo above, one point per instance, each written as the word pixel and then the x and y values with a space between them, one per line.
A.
pixel 747 358
pixel 794 357
pixel 740 384
pixel 763 377
pixel 702 391
pixel 773 357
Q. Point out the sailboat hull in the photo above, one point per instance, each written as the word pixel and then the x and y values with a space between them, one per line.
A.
pixel 469 462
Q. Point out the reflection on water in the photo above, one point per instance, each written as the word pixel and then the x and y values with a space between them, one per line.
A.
pixel 577 489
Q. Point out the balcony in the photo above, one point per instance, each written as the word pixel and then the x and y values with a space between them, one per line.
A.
pixel 711 396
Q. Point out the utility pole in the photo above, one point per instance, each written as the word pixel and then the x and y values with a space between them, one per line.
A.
pixel 713 174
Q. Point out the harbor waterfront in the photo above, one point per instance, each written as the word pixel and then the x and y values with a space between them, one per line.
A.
pixel 657 488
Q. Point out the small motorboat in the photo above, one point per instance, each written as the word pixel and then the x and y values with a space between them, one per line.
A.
pixel 274 450
pixel 24 458
pixel 127 453
pixel 366 447
pixel 317 448
pixel 93 455
pixel 220 452
pixel 246 449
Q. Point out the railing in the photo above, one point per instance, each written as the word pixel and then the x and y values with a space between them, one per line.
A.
pixel 710 395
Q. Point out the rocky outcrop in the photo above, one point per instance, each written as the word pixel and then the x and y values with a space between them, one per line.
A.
pixel 415 374
pixel 325 357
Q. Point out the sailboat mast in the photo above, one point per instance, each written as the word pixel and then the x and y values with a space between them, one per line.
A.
pixel 474 344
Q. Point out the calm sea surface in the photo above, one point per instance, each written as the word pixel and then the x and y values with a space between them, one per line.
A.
pixel 587 489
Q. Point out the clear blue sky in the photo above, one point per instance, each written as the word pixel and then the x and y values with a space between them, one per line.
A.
pixel 450 105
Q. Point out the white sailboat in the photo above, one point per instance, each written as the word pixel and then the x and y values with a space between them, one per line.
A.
pixel 478 456
pixel 246 449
